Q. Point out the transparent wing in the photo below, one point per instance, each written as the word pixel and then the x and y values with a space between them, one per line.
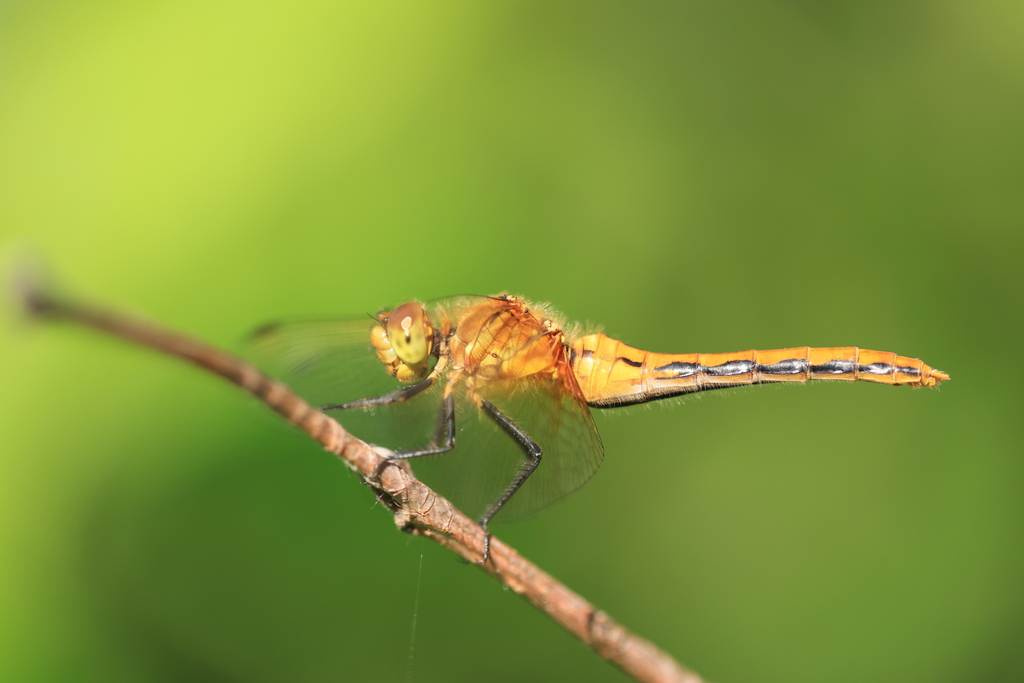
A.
pixel 332 362
pixel 486 458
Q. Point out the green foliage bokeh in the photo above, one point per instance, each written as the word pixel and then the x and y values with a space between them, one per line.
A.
pixel 690 176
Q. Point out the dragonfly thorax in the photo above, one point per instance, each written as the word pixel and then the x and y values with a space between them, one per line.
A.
pixel 404 341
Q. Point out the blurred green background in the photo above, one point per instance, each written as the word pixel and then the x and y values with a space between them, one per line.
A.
pixel 692 176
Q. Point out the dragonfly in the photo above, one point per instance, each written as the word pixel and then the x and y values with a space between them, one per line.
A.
pixel 500 390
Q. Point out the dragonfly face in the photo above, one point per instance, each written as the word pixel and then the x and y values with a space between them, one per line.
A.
pixel 507 371
pixel 404 341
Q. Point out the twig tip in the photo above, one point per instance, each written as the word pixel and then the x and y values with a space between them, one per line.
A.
pixel 28 283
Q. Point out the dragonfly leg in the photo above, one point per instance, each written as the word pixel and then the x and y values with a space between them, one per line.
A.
pixel 533 454
pixel 396 396
pixel 443 441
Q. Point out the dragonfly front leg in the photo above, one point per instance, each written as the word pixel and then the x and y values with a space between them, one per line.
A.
pixel 533 454
pixel 396 396
pixel 443 441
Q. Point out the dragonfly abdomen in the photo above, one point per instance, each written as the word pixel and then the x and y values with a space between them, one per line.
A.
pixel 612 373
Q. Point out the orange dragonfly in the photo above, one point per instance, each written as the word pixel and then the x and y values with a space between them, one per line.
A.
pixel 498 386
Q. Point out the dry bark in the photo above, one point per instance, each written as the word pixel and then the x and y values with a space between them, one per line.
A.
pixel 416 508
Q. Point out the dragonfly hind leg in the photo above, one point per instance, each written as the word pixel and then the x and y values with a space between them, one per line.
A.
pixel 533 454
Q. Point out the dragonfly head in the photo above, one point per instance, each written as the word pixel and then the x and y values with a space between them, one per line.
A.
pixel 404 340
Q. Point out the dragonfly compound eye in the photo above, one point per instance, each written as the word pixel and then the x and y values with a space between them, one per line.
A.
pixel 411 334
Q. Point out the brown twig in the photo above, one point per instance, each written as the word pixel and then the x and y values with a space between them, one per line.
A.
pixel 417 509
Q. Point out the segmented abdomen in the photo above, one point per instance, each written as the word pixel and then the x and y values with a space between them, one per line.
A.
pixel 611 373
